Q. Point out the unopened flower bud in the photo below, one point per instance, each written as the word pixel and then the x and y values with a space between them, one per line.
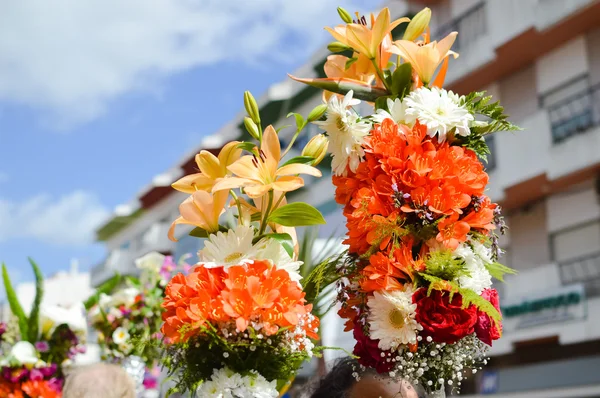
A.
pixel 338 47
pixel 345 15
pixel 317 113
pixel 251 127
pixel 316 148
pixel 418 24
pixel 251 107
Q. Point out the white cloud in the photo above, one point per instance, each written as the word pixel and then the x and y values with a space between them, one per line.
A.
pixel 72 57
pixel 69 220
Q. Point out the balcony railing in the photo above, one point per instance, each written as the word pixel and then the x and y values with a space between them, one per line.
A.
pixel 471 25
pixel 585 270
pixel 575 114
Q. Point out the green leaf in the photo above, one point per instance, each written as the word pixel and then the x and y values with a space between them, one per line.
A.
pixel 256 217
pixel 296 215
pixel 248 146
pixel 34 316
pixel 284 239
pixel 362 90
pixel 381 103
pixel 15 306
pixel 300 123
pixel 106 288
pixel 350 62
pixel 133 281
pixel 401 80
pixel 198 233
pixel 299 159
pixel 498 270
pixel 285 126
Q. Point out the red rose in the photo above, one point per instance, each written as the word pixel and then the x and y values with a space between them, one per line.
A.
pixel 444 320
pixel 486 327
pixel 368 352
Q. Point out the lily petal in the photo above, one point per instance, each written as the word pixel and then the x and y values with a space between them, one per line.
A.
pixel 288 183
pixel 179 220
pixel 193 182
pixel 208 164
pixel 228 183
pixel 297 168
pixel 229 154
pixel 257 190
pixel 245 167
pixel 444 45
pixel 271 148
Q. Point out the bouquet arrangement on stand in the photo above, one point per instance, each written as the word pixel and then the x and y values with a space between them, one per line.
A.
pixel 422 234
pixel 240 324
pixel 37 349
pixel 128 319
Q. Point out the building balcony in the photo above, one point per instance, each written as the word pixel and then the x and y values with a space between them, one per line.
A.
pixel 584 270
pixel 576 114
pixel 471 25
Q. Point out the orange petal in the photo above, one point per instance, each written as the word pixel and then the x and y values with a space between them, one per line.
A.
pixel 272 149
pixel 229 154
pixel 444 45
pixel 288 183
pixel 208 164
pixel 193 182
pixel 257 190
pixel 441 76
pixel 228 183
pixel 297 168
pixel 245 167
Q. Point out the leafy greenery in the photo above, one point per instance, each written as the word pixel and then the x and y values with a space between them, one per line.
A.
pixel 299 159
pixel 296 214
pixel 106 288
pixel 444 265
pixel 34 316
pixel 284 239
pixel 498 270
pixel 15 306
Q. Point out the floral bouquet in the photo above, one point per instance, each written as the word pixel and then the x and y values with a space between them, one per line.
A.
pixel 128 320
pixel 240 324
pixel 36 350
pixel 422 234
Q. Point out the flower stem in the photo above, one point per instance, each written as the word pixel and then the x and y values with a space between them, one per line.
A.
pixel 291 143
pixel 263 224
pixel 239 206
pixel 380 74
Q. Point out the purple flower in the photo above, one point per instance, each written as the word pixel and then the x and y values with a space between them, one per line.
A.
pixel 2 329
pixel 36 374
pixel 49 370
pixel 42 346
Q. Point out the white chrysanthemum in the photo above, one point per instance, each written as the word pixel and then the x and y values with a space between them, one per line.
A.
pixel 227 384
pixel 272 250
pixel 479 278
pixel 227 248
pixel 439 110
pixel 397 112
pixel 392 318
pixel 346 132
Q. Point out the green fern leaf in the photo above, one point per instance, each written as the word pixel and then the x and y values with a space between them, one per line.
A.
pixel 498 270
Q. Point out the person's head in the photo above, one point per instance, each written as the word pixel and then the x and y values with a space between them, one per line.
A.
pixel 340 382
pixel 99 381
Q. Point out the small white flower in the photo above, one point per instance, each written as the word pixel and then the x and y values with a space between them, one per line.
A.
pixel 391 318
pixel 52 316
pixel 479 278
pixel 124 297
pixel 233 247
pixel 346 133
pixel 397 112
pixel 120 336
pixel 25 353
pixel 227 384
pixel 272 250
pixel 152 261
pixel 439 110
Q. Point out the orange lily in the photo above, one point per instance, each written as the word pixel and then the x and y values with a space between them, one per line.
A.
pixel 211 168
pixel 426 58
pixel 259 175
pixel 363 39
pixel 201 209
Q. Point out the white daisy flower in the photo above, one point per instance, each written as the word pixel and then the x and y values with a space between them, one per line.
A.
pixel 272 250
pixel 225 249
pixel 397 112
pixel 120 336
pixel 346 132
pixel 225 383
pixel 392 318
pixel 439 110
pixel 479 278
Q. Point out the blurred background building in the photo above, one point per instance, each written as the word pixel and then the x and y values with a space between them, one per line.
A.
pixel 541 59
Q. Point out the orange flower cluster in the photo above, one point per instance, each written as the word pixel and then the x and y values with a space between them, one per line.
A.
pixel 254 292
pixel 33 389
pixel 409 193
pixel 409 179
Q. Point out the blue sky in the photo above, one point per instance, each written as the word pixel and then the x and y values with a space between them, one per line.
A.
pixel 98 97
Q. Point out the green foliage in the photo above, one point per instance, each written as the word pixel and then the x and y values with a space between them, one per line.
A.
pixel 249 147
pixel 478 103
pixel 34 321
pixel 444 265
pixel 317 113
pixel 498 270
pixel 401 80
pixel 299 159
pixel 300 122
pixel 469 297
pixel 15 306
pixel 193 362
pixel 106 288
pixel 296 215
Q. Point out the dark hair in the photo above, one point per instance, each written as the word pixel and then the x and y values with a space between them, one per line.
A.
pixel 338 382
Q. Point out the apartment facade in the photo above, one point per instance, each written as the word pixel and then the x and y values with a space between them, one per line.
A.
pixel 541 59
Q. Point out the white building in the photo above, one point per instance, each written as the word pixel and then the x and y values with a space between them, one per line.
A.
pixel 541 59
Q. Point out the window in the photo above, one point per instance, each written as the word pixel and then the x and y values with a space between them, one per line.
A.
pixel 577 252
pixel 471 25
